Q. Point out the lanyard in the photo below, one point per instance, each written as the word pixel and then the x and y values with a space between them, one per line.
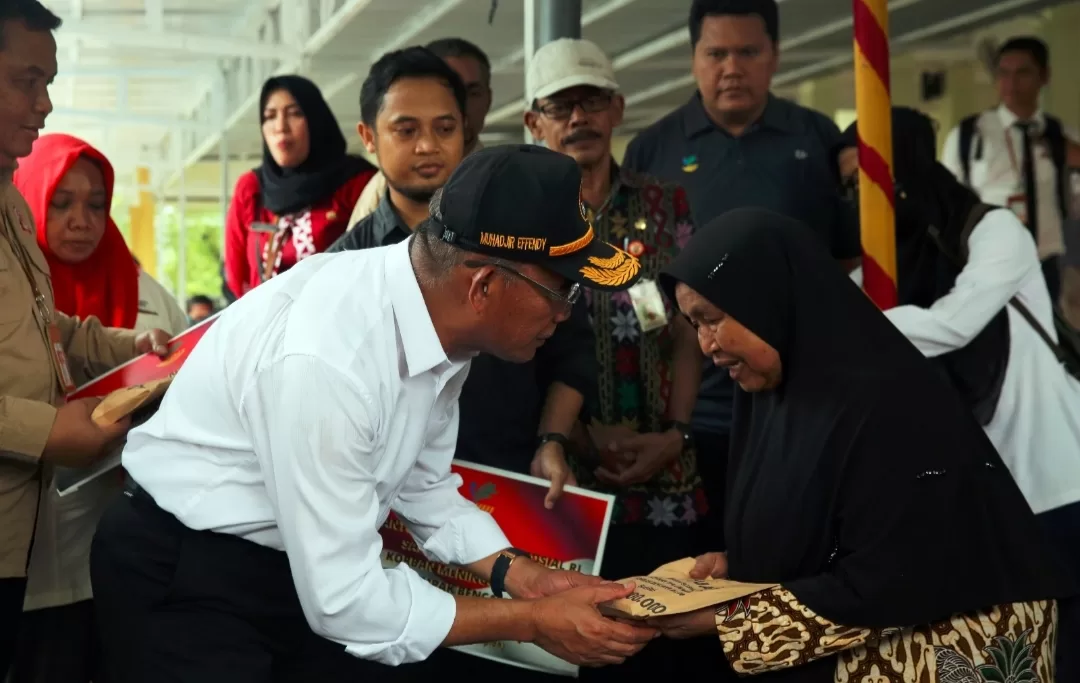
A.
pixel 50 332
pixel 25 262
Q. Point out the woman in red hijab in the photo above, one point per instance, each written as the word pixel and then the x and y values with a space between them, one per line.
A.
pixel 69 185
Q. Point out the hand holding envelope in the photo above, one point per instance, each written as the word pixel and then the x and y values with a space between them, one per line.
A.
pixel 680 598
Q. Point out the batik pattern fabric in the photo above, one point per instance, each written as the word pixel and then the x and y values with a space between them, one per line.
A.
pixel 770 630
pixel 652 221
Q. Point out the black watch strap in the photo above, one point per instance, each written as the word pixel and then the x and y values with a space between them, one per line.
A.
pixel 552 436
pixel 684 429
pixel 501 566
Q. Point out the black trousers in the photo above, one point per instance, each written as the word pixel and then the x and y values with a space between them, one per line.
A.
pixel 1062 525
pixel 181 606
pixel 59 645
pixel 12 593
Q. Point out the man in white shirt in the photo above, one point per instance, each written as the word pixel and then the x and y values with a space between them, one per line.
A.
pixel 248 550
pixel 1015 155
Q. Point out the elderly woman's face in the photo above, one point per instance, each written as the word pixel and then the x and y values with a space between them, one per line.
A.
pixel 749 360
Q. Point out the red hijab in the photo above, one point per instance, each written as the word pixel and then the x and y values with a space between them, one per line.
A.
pixel 106 285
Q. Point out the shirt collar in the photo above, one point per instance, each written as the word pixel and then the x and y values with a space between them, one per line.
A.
pixel 386 218
pixel 696 121
pixel 1008 119
pixel 416 333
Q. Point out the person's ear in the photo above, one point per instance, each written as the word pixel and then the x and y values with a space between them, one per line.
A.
pixel 482 285
pixel 618 107
pixel 367 136
pixel 532 122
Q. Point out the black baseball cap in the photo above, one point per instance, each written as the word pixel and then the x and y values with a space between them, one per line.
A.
pixel 523 203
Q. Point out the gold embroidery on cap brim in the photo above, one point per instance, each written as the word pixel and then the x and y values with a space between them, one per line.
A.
pixel 614 271
pixel 577 245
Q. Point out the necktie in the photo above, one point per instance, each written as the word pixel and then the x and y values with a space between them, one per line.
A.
pixel 1027 167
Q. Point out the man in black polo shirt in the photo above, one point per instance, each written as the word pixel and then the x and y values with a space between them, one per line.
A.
pixel 735 145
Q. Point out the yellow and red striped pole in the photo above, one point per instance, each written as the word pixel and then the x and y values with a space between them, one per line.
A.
pixel 873 107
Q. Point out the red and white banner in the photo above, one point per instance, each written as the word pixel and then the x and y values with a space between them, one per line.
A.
pixel 570 536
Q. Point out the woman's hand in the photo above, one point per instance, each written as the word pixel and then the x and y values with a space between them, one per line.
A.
pixel 690 625
pixel 710 565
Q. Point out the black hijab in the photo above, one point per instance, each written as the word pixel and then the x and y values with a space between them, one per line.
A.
pixel 929 198
pixel 861 484
pixel 327 167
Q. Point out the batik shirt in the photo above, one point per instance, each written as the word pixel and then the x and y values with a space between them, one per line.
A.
pixel 652 221
pixel 771 631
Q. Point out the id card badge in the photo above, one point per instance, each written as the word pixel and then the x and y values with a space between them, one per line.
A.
pixel 648 305
pixel 63 372
pixel 1017 203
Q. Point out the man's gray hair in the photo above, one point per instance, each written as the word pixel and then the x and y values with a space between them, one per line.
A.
pixel 437 257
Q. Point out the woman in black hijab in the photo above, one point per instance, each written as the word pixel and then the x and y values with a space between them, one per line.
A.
pixel 298 202
pixel 857 481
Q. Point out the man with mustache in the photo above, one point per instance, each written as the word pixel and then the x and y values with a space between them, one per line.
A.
pixel 649 362
pixel 472 65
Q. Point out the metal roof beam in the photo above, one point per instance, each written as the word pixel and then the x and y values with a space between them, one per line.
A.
pixel 112 35
pixel 237 91
pixel 73 70
pixel 123 116
pixel 247 100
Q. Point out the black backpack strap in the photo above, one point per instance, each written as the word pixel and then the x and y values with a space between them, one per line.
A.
pixel 967 136
pixel 1055 139
pixel 960 259
pixel 1020 308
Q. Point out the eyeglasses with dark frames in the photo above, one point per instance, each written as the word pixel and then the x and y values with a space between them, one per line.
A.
pixel 566 300
pixel 563 108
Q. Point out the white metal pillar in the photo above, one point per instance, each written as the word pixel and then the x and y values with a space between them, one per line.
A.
pixel 181 217
pixel 223 151
pixel 530 48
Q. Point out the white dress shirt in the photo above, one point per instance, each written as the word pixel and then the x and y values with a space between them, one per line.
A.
pixel 1036 426
pixel 998 175
pixel 59 570
pixel 317 403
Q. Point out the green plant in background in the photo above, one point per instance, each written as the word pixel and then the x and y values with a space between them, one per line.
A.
pixel 204 240
pixel 203 256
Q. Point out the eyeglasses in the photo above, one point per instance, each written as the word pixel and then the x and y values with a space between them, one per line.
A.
pixel 563 108
pixel 566 301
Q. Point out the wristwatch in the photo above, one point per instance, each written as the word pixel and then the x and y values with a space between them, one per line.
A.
pixel 502 565
pixel 684 430
pixel 555 437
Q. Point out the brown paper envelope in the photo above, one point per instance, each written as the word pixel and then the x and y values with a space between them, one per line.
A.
pixel 123 402
pixel 670 590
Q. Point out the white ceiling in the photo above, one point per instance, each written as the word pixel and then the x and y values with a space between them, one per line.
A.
pixel 158 82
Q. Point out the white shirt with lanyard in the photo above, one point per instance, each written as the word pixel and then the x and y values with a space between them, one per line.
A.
pixel 997 172
pixel 314 406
